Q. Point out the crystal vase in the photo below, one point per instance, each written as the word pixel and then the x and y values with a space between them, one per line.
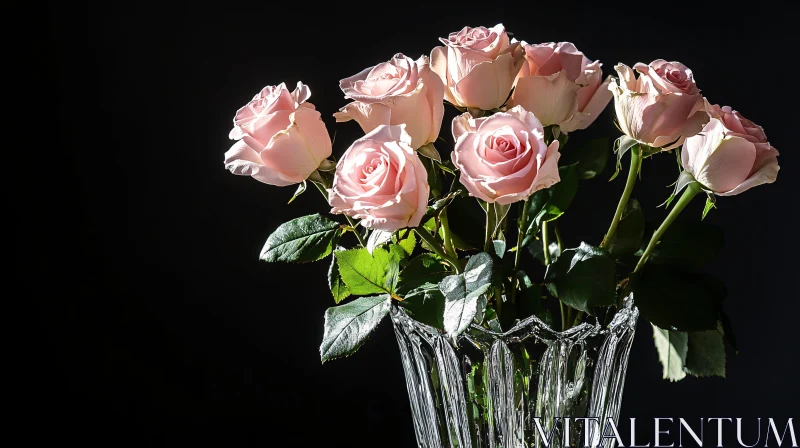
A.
pixel 519 389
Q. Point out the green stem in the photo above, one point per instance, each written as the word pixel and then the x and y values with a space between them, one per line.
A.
pixel 355 230
pixel 636 165
pixel 546 242
pixel 448 241
pixel 520 236
pixel 692 190
pixel 563 316
pixel 490 224
pixel 578 319
pixel 322 184
pixel 428 238
pixel 558 237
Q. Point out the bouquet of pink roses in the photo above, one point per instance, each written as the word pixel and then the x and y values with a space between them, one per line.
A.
pixel 419 243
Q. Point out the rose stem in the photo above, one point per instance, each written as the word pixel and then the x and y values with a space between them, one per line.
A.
pixel 691 191
pixel 490 217
pixel 520 237
pixel 558 237
pixel 546 243
pixel 428 238
pixel 578 319
pixel 322 185
pixel 448 242
pixel 561 249
pixel 355 230
pixel 636 165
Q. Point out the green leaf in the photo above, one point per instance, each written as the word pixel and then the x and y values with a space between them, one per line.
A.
pixel 408 243
pixel 301 188
pixel 335 283
pixel 706 355
pixel 529 300
pixel 430 152
pixel 348 326
pixel 434 176
pixel 686 242
pixel 630 231
pixel 425 304
pixel 499 247
pixel 377 238
pixel 424 268
pixel 550 203
pixel 561 194
pixel 697 353
pixel 672 347
pixel 621 146
pixel 304 239
pixel 536 249
pixel 672 298
pixel 591 157
pixel 583 278
pixel 710 203
pixel 368 274
pixel 463 292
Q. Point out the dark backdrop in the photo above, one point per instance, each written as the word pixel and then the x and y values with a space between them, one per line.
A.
pixel 156 325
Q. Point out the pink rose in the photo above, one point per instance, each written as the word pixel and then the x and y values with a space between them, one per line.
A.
pixel 731 154
pixel 381 180
pixel 401 91
pixel 503 158
pixel 561 86
pixel 477 66
pixel 660 109
pixel 280 138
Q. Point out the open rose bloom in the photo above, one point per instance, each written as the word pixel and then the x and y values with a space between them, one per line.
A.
pixel 561 86
pixel 504 158
pixel 731 154
pixel 381 180
pixel 662 107
pixel 400 91
pixel 280 138
pixel 478 66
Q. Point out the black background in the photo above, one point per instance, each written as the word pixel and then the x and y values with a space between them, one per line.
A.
pixel 155 323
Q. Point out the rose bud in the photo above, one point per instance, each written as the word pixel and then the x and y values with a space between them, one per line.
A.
pixel 478 66
pixel 561 86
pixel 381 180
pixel 730 155
pixel 503 158
pixel 280 138
pixel 662 107
pixel 400 91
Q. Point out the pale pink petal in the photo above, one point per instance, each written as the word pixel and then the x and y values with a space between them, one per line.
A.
pixel 727 165
pixel 598 102
pixel 553 99
pixel 368 116
pixel 244 161
pixel 434 91
pixel 766 174
pixel 439 66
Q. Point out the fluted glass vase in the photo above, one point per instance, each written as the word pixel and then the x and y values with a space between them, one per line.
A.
pixel 492 390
